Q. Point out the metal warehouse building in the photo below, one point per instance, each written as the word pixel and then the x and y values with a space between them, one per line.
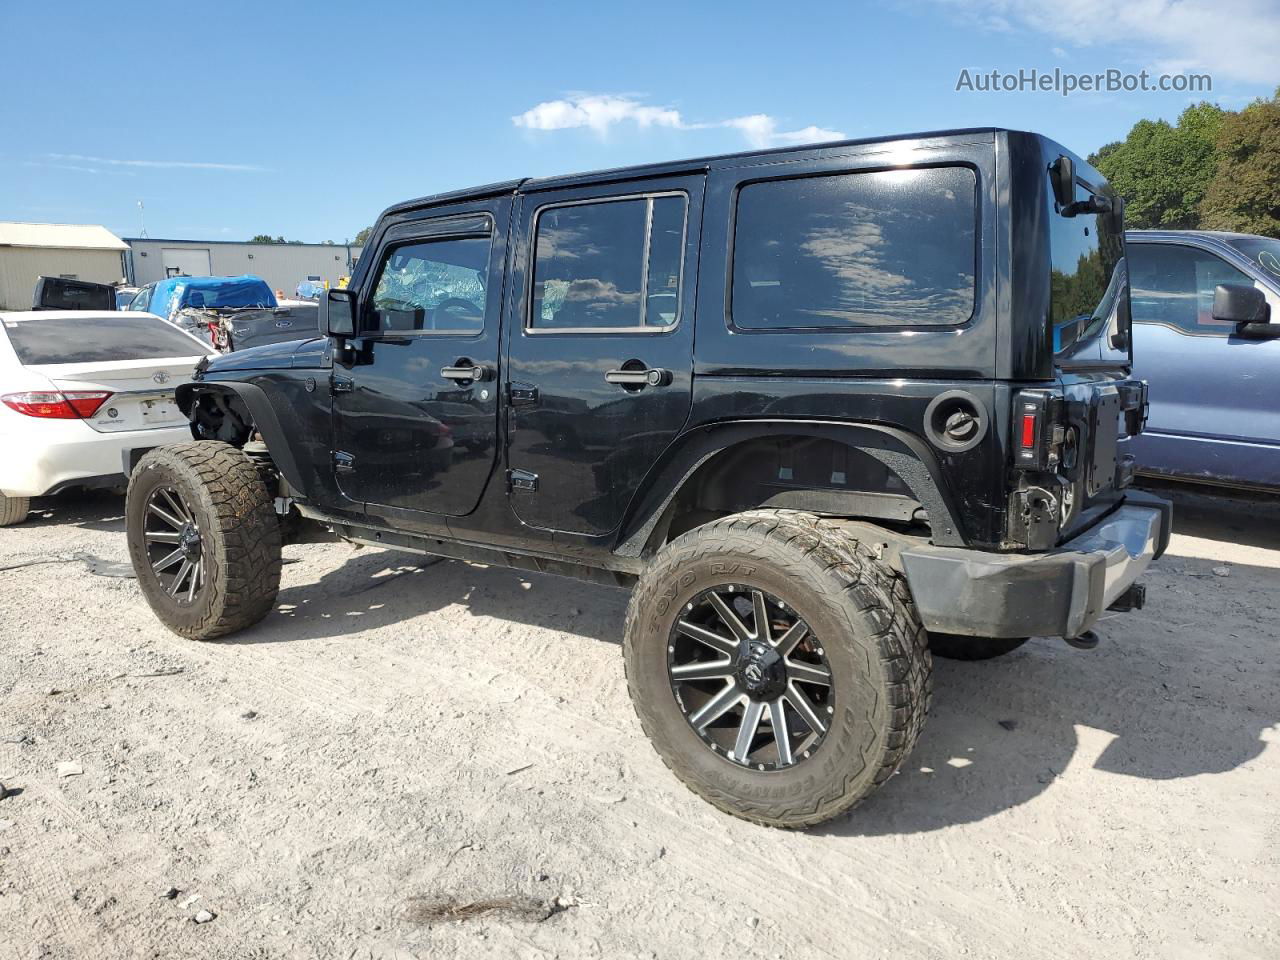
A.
pixel 32 250
pixel 282 265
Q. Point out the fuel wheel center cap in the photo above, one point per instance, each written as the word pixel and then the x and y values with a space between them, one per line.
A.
pixel 762 673
pixel 189 541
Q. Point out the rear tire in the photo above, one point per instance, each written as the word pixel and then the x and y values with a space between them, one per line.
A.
pixel 860 629
pixel 951 646
pixel 13 510
pixel 208 499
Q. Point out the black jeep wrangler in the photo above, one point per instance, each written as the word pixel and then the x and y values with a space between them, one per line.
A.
pixel 826 410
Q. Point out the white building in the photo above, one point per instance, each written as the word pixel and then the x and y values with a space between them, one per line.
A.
pixel 282 265
pixel 76 251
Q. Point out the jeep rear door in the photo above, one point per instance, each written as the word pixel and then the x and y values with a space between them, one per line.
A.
pixel 600 342
pixel 415 392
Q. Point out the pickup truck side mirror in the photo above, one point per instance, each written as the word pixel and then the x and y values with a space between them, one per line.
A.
pixel 1244 305
pixel 337 313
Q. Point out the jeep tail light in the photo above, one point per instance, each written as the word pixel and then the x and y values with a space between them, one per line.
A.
pixel 1037 434
pixel 1028 431
pixel 57 405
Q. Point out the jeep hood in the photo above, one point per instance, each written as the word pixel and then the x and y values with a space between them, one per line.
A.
pixel 271 356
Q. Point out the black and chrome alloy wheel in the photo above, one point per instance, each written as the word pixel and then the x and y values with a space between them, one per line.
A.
pixel 173 543
pixel 751 677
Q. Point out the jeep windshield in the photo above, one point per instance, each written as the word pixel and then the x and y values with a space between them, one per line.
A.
pixel 1089 283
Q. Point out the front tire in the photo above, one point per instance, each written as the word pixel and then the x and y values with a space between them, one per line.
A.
pixel 771 621
pixel 13 510
pixel 203 538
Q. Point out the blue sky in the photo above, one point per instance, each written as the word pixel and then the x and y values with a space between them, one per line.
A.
pixel 306 120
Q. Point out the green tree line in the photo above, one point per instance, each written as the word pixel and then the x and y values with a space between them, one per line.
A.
pixel 1214 169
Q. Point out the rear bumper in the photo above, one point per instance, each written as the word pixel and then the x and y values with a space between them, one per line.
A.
pixel 79 457
pixel 1058 593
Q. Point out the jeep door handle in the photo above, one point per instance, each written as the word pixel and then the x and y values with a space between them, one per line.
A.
pixel 476 371
pixel 653 377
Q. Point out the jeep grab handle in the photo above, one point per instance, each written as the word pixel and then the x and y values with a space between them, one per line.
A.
pixel 653 377
pixel 467 371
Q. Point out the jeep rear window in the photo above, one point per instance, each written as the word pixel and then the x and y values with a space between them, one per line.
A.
pixel 98 339
pixel 874 249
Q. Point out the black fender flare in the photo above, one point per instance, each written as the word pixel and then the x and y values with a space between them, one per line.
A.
pixel 264 418
pixel 904 453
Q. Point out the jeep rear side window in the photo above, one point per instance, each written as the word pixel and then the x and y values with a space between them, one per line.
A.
pixel 609 266
pixel 875 249
pixel 433 286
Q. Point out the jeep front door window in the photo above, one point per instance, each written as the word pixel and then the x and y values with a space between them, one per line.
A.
pixel 436 286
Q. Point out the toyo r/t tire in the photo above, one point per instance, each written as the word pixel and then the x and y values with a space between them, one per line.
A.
pixel 203 538
pixel 776 622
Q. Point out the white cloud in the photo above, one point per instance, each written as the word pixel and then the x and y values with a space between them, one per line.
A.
pixel 601 112
pixel 1237 39
pixel 596 112
pixel 158 164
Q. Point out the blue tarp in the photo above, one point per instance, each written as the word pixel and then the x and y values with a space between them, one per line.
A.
pixel 173 294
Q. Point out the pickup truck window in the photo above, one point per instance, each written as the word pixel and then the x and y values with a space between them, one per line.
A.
pixel 874 249
pixel 608 266
pixel 432 286
pixel 1173 285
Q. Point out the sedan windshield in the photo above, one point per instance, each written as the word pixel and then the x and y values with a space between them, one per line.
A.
pixel 98 339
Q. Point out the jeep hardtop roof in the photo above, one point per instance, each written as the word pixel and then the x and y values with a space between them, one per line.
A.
pixel 692 165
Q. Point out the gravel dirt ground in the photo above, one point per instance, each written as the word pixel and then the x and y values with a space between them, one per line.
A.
pixel 419 759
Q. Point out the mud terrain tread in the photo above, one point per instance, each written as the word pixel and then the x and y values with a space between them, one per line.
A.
pixel 802 540
pixel 246 535
pixel 13 510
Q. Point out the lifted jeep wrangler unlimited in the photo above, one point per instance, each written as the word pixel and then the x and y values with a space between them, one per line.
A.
pixel 826 409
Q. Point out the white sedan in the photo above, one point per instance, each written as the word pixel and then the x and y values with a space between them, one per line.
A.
pixel 83 395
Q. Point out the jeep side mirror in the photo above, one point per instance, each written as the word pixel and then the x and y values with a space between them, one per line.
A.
pixel 1062 174
pixel 337 313
pixel 1244 305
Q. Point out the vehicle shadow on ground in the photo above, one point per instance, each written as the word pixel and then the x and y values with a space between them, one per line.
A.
pixel 90 509
pixel 1238 517
pixel 1001 732
pixel 378 588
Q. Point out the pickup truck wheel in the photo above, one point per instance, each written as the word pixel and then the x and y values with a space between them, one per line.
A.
pixel 13 510
pixel 951 646
pixel 203 538
pixel 777 665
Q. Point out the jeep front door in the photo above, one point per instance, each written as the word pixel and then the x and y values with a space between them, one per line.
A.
pixel 600 346
pixel 415 393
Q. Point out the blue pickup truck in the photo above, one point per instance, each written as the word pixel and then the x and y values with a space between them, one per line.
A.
pixel 1206 337
pixel 231 312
